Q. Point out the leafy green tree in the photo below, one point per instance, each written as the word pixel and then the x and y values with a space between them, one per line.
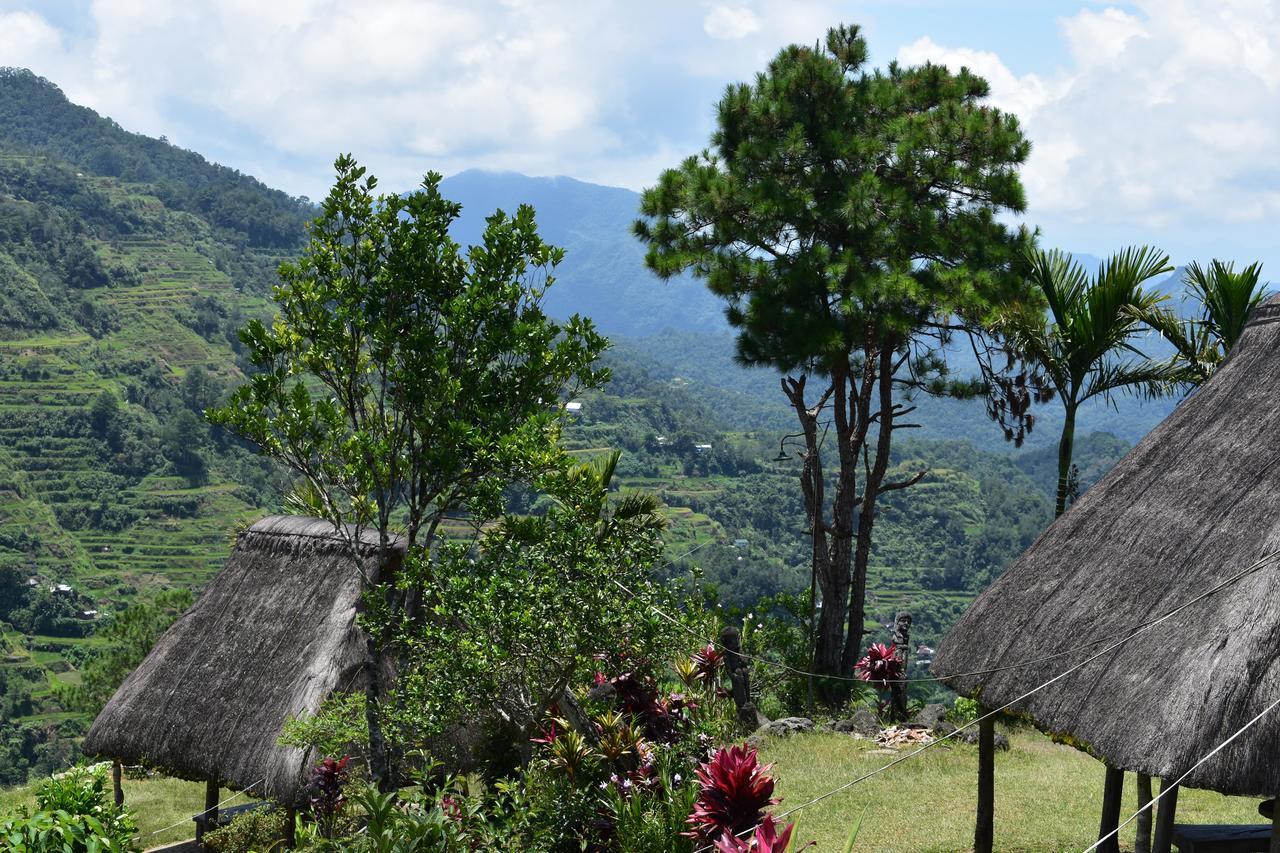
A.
pixel 1081 347
pixel 515 622
pixel 849 219
pixel 126 640
pixel 1226 299
pixel 405 378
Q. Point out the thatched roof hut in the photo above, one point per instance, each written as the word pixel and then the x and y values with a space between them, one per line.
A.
pixel 272 636
pixel 1196 501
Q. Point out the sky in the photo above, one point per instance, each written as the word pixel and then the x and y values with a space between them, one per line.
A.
pixel 1152 121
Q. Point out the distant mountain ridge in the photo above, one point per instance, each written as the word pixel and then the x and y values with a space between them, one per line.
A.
pixel 603 275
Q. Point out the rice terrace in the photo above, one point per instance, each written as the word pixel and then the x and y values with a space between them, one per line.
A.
pixel 722 427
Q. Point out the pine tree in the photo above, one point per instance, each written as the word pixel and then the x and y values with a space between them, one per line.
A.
pixel 849 219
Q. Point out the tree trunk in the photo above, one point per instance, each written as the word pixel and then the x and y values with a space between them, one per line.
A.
pixel 1066 446
pixel 379 767
pixel 867 509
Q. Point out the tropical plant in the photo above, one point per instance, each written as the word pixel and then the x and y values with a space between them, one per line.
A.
pixel 1225 299
pixel 880 666
pixel 326 791
pixel 735 790
pixel 406 378
pixel 1086 346
pixel 849 219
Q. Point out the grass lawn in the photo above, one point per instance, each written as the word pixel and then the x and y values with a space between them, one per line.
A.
pixel 1048 796
pixel 157 803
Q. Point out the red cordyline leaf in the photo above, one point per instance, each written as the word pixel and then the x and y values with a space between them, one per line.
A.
pixel 880 665
pixel 766 839
pixel 735 790
pixel 549 735
pixel 707 663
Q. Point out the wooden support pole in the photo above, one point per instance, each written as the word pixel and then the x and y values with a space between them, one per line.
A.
pixel 1142 843
pixel 208 817
pixel 984 827
pixel 1112 790
pixel 116 787
pixel 1275 826
pixel 290 827
pixel 1167 810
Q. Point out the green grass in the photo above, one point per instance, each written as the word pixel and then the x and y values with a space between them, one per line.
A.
pixel 1048 796
pixel 158 803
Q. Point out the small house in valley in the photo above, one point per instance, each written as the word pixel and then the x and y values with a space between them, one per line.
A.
pixel 1173 559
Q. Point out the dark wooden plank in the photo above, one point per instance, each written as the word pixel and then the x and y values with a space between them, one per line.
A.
pixel 1222 838
pixel 1167 810
pixel 984 826
pixel 1112 789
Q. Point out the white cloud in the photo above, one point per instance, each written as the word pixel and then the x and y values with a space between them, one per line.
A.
pixel 730 22
pixel 1166 117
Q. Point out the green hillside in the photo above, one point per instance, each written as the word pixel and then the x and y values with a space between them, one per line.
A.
pixel 126 266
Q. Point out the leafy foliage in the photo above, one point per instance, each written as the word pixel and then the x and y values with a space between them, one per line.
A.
pixel 1080 351
pixel 1225 299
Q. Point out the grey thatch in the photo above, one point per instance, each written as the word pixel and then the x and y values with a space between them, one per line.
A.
pixel 272 636
pixel 1196 501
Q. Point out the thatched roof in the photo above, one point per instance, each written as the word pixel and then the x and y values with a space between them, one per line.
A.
pixel 271 637
pixel 1196 501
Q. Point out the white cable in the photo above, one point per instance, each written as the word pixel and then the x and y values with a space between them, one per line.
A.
pixel 1164 789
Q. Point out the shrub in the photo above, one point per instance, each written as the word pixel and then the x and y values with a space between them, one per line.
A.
pixel 73 814
pixel 251 832
pixel 60 831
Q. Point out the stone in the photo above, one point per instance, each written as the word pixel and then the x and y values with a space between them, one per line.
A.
pixel 970 735
pixel 785 726
pixel 863 722
pixel 929 716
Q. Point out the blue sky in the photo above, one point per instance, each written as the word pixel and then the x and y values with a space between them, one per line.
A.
pixel 1153 121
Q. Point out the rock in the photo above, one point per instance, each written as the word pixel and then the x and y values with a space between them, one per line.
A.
pixel 943 728
pixel 929 716
pixel 785 726
pixel 863 722
pixel 970 735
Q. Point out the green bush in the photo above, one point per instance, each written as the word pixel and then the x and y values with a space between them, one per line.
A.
pixel 58 831
pixel 252 832
pixel 73 813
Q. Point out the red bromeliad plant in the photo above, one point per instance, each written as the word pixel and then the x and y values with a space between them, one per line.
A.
pixel 735 791
pixel 880 665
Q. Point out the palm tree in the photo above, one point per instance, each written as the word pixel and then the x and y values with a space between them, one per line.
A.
pixel 1226 299
pixel 1093 322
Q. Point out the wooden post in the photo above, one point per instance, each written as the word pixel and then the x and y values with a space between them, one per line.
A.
pixel 116 788
pixel 208 817
pixel 290 827
pixel 902 651
pixel 1112 790
pixel 984 827
pixel 1167 811
pixel 1275 826
pixel 1142 844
